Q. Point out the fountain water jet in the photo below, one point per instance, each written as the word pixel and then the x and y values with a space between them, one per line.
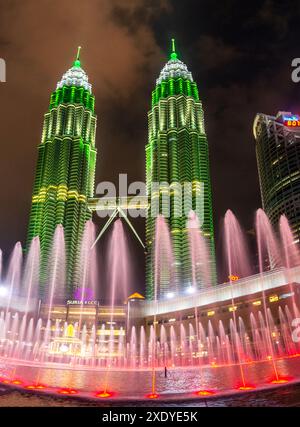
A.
pixel 268 249
pixel 13 277
pixel 200 259
pixel 87 268
pixel 237 265
pixel 31 274
pixel 1 262
pixel 56 268
pixel 30 342
pixel 164 278
pixel 291 255
pixel 119 278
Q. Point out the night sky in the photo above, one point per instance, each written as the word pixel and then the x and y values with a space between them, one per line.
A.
pixel 240 55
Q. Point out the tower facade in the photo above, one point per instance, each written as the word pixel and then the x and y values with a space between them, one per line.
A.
pixel 65 170
pixel 278 160
pixel 177 153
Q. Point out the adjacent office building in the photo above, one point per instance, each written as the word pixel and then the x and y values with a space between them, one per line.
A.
pixel 278 159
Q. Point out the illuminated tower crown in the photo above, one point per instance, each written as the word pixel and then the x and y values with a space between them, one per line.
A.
pixel 177 152
pixel 65 169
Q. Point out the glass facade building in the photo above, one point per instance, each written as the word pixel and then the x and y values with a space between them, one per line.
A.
pixel 65 170
pixel 278 159
pixel 177 153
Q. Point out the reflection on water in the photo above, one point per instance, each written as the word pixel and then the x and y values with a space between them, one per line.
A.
pixel 282 396
pixel 136 384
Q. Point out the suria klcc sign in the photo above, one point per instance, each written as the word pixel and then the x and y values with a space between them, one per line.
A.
pixel 82 302
pixel 83 296
pixel 291 121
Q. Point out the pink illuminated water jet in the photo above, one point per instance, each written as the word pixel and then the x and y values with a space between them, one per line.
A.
pixel 200 346
pixel 200 259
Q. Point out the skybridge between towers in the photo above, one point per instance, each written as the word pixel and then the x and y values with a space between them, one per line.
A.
pixel 113 207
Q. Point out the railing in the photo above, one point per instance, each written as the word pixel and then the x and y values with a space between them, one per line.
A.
pixel 246 286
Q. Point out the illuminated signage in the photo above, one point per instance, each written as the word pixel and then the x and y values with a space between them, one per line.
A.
pixel 81 302
pixel 256 303
pixel 291 121
pixel 83 296
pixel 233 278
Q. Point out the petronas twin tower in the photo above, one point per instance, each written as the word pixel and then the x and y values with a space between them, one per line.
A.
pixel 176 153
pixel 65 170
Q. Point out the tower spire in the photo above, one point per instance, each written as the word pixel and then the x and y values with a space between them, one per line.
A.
pixel 173 53
pixel 77 62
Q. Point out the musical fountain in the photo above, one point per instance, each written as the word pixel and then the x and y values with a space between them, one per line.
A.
pixel 205 353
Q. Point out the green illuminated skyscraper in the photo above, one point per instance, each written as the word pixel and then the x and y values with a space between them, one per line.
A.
pixel 65 169
pixel 177 152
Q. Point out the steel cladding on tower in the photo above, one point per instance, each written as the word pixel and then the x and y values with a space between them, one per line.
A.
pixel 177 152
pixel 65 171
